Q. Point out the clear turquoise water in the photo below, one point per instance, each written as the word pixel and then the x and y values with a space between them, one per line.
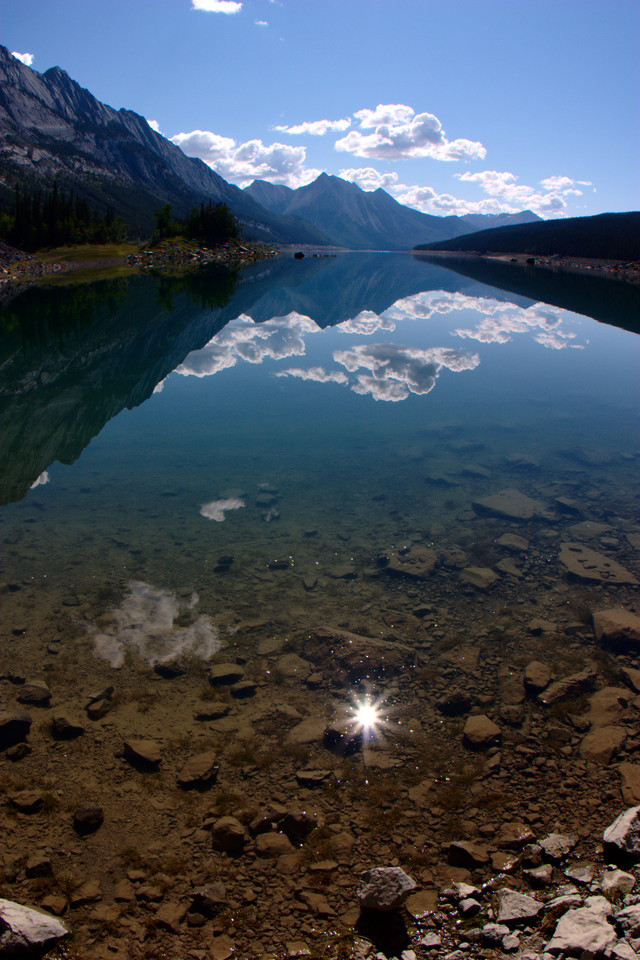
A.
pixel 428 376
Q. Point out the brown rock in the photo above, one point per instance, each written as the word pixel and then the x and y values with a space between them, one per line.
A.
pixel 26 801
pixel 414 563
pixel 537 677
pixel 480 577
pixel 617 627
pixel 630 773
pixel 221 674
pixel 601 744
pixel 480 732
pixel 200 770
pixel 466 854
pixel 509 503
pixel 568 687
pixel 35 694
pixel 142 753
pixel 273 845
pixel 586 564
pixel 228 835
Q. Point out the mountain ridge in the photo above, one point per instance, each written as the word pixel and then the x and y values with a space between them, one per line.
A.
pixel 54 128
pixel 363 220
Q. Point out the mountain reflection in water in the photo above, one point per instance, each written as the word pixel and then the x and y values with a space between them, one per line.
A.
pixel 74 357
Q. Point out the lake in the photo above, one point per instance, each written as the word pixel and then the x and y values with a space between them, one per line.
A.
pixel 254 504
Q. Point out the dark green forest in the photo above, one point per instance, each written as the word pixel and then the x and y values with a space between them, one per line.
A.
pixel 54 218
pixel 608 236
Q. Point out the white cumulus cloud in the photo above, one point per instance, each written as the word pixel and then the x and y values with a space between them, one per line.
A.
pixel 410 369
pixel 399 132
pixel 368 178
pixel 504 320
pixel 317 128
pixel 216 6
pixel 26 58
pixel 318 374
pixel 242 339
pixel 503 194
pixel 252 160
pixel 154 125
pixel 366 323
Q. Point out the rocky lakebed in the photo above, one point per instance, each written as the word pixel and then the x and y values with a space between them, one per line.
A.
pixel 428 754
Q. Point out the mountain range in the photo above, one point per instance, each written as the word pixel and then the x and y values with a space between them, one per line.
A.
pixel 51 128
pixel 370 220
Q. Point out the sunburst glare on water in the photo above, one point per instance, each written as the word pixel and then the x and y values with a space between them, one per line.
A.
pixel 368 716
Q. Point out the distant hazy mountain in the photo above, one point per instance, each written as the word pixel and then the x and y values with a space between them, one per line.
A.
pixel 363 220
pixel 607 236
pixel 487 221
pixel 52 128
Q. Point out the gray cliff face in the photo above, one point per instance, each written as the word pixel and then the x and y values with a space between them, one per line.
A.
pixel 50 127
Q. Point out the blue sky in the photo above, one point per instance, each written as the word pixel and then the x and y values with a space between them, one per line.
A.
pixel 452 106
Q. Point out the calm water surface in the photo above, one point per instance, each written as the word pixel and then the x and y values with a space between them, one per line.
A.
pixel 344 407
pixel 301 470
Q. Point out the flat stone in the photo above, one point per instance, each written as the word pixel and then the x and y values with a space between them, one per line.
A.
pixel 35 694
pixel 464 853
pixel 221 948
pixel 624 833
pixel 145 753
pixel 212 711
pixel 421 903
pixel 312 778
pixel 209 899
pixel 511 541
pixel 514 907
pixel 384 888
pixel 200 770
pixel 587 564
pixel 588 528
pixel 25 929
pixel 586 928
pixel 509 503
pixel 581 872
pixel 480 577
pixel 515 835
pixel 480 732
pixel 557 845
pixel 293 667
pixel 569 687
pixel 26 801
pixel 508 567
pixel 317 904
pixel 617 628
pixel 602 744
pixel 415 562
pixel 308 731
pixel 224 674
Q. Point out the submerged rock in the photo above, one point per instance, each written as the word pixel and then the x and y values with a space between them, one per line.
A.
pixel 617 627
pixel 384 888
pixel 587 564
pixel 623 835
pixel 24 929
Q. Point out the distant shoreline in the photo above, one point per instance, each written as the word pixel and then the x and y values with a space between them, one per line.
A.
pixel 83 264
pixel 628 271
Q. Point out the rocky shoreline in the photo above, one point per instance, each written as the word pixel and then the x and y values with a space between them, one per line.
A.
pixel 20 268
pixel 628 271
